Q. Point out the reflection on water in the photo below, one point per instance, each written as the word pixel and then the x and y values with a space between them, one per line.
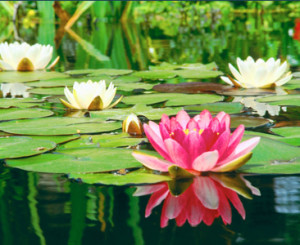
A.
pixel 14 90
pixel 202 199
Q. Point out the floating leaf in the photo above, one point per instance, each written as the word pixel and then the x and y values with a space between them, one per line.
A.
pixel 191 88
pixel 48 91
pixel 172 99
pixel 132 86
pixel 110 72
pixel 18 102
pixel 293 84
pixel 247 92
pixel 197 73
pixel 188 66
pixel 58 126
pixel 274 157
pixel 19 77
pixel 228 107
pixel 16 113
pixel 135 177
pixel 15 146
pixel 126 79
pixel 78 160
pixel 289 99
pixel 155 75
pixel 104 140
pixel 140 110
pixel 248 121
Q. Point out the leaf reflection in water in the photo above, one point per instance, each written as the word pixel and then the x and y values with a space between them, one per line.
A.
pixel 199 199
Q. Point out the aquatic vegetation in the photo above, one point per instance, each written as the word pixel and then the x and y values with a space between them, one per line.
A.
pixel 91 96
pixel 197 144
pixel 258 74
pixel 24 57
pixel 203 199
pixel 132 125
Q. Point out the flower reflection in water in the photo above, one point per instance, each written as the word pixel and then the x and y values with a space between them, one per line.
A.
pixel 14 90
pixel 199 199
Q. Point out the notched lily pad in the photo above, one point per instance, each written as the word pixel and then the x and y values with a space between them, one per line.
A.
pixel 58 126
pixel 172 99
pixel 18 102
pixel 17 113
pixel 78 160
pixel 154 75
pixel 192 88
pixel 19 77
pixel 289 99
pixel 131 178
pixel 248 121
pixel 15 146
pixel 228 107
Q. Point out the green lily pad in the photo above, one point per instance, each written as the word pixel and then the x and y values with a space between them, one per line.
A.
pixel 291 135
pixel 140 110
pixel 248 121
pixel 187 66
pixel 17 113
pixel 110 72
pixel 290 99
pixel 62 82
pixel 78 160
pixel 19 77
pixel 132 178
pixel 155 75
pixel 18 102
pixel 273 157
pixel 15 146
pixel 58 126
pixel 228 107
pixel 48 91
pixel 57 139
pixel 172 99
pixel 104 140
pixel 293 84
pixel 127 79
pixel 132 86
pixel 197 73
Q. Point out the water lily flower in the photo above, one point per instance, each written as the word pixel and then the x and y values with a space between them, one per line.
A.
pixel 258 74
pixel 132 125
pixel 203 199
pixel 91 96
pixel 24 57
pixel 198 144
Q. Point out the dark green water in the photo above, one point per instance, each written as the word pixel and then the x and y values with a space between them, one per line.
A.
pixel 49 209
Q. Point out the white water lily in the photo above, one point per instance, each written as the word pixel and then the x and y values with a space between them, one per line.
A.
pixel 258 74
pixel 24 57
pixel 91 96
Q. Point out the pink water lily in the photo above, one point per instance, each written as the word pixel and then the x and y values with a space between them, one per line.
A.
pixel 197 144
pixel 207 198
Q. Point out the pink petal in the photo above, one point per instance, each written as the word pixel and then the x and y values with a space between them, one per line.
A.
pixel 183 118
pixel 203 119
pixel 215 125
pixel 152 162
pixel 206 191
pixel 234 140
pixel 242 149
pixel 206 161
pixel 173 206
pixel 165 134
pixel 195 145
pixel 192 125
pixel 177 153
pixel 224 207
pixel 156 141
pixel 236 202
pixel 166 121
pixel 174 124
pixel 155 200
pixel 221 143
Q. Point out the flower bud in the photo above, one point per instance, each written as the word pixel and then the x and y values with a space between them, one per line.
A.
pixel 132 125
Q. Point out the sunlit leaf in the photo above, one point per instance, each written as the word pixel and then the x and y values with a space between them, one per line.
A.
pixel 16 113
pixel 18 102
pixel 15 146
pixel 19 77
pixel 228 107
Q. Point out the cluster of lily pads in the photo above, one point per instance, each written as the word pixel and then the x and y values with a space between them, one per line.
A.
pixel 85 140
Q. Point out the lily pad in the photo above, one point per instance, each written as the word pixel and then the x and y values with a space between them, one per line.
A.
pixel 110 72
pixel 135 177
pixel 187 66
pixel 248 121
pixel 104 140
pixel 172 99
pixel 247 92
pixel 140 110
pixel 48 91
pixel 58 126
pixel 197 73
pixel 15 146
pixel 127 79
pixel 191 88
pixel 17 113
pixel 155 75
pixel 57 139
pixel 19 77
pixel 78 160
pixel 293 84
pixel 273 157
pixel 18 102
pixel 132 86
pixel 290 99
pixel 228 107
pixel 62 82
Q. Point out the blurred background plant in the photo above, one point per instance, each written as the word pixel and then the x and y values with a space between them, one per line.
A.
pixel 136 34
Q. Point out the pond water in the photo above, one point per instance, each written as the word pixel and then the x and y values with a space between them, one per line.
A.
pixel 44 208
